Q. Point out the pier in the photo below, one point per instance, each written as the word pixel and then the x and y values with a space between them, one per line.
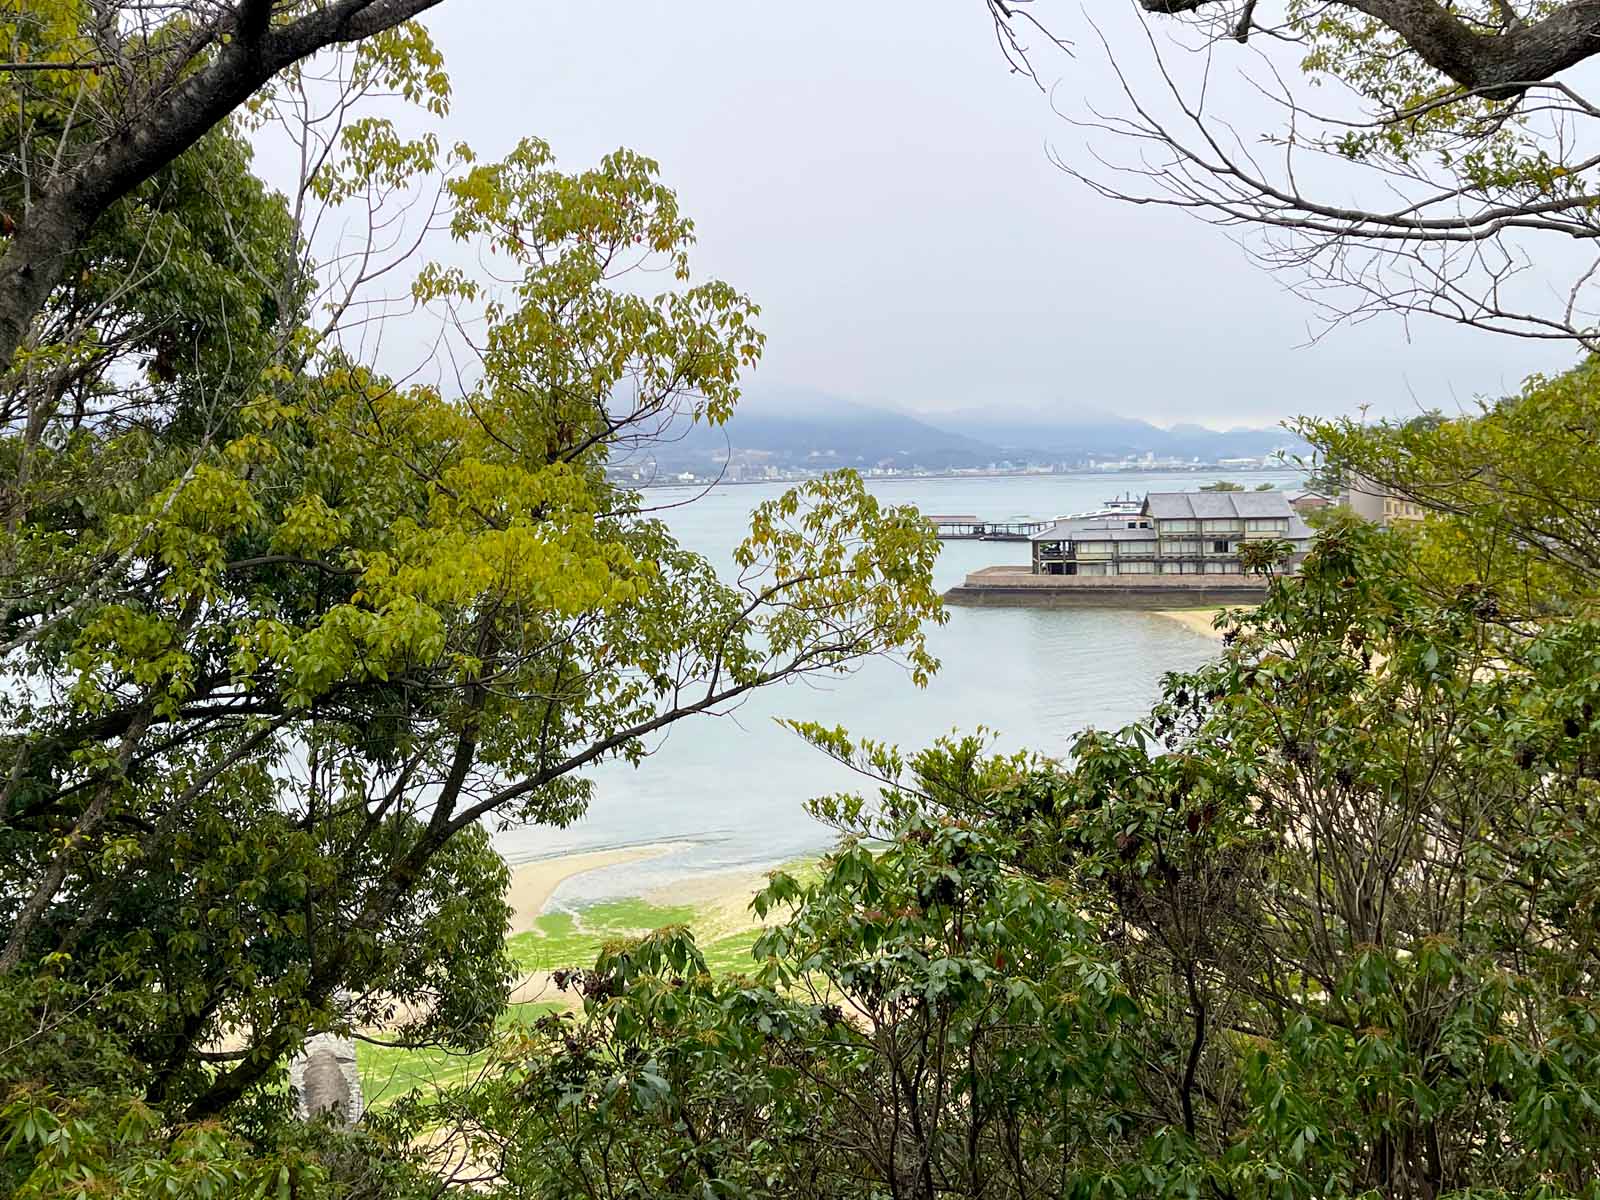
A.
pixel 967 528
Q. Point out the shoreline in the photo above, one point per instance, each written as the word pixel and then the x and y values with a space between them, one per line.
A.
pixel 1195 620
pixel 533 883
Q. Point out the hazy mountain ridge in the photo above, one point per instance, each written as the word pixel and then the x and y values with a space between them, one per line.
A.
pixel 1106 436
pixel 813 429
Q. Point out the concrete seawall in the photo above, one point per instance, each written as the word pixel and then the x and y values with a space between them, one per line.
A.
pixel 1017 586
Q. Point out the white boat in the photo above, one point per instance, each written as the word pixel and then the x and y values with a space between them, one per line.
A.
pixel 1120 506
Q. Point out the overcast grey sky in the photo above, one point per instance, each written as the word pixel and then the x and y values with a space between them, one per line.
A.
pixel 876 179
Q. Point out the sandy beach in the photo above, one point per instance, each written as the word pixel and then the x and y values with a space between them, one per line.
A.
pixel 533 883
pixel 721 900
pixel 1196 620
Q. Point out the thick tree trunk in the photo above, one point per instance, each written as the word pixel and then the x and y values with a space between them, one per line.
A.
pixel 34 262
pixel 66 208
pixel 1499 64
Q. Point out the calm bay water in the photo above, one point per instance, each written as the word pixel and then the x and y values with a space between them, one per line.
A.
pixel 730 789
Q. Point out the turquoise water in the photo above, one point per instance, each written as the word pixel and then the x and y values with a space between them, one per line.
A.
pixel 730 788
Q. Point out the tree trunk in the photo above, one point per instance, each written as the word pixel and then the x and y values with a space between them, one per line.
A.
pixel 150 136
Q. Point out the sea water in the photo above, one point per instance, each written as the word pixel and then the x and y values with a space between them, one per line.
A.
pixel 728 791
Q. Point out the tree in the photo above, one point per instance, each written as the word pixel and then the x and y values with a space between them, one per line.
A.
pixel 1322 863
pixel 1222 485
pixel 1322 926
pixel 284 635
pixel 106 95
pixel 1512 485
pixel 924 1022
pixel 443 611
pixel 1448 150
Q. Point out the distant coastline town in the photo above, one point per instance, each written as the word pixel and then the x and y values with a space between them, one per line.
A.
pixel 748 472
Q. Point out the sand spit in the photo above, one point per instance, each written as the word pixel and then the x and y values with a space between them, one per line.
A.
pixel 721 900
pixel 533 883
pixel 1195 620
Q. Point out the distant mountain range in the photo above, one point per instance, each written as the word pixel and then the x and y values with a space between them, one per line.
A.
pixel 791 429
pixel 1104 436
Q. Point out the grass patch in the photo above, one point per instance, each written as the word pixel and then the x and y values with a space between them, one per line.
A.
pixel 731 955
pixel 559 939
pixel 725 930
pixel 573 939
pixel 390 1072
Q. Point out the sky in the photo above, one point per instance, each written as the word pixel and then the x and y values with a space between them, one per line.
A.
pixel 879 181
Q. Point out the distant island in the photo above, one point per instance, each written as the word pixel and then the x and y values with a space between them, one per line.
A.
pixel 792 436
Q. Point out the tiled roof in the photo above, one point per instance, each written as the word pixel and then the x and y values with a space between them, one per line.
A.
pixel 1093 529
pixel 1182 506
pixel 1061 530
pixel 1216 505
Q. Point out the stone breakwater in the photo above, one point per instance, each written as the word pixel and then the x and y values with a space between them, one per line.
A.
pixel 1017 586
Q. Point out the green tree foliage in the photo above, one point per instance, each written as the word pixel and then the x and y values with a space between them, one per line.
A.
pixel 1513 487
pixel 102 96
pixel 283 637
pixel 926 1022
pixel 1322 926
pixel 1222 485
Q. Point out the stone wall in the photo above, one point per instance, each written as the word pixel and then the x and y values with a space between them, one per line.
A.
pixel 1019 586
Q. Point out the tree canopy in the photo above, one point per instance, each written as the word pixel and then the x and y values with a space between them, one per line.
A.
pixel 1321 926
pixel 284 636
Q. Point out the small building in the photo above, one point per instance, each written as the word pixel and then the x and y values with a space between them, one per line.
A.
pixel 1173 533
pixel 1306 503
pixel 1372 501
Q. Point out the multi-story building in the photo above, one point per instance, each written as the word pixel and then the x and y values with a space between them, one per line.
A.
pixel 1373 502
pixel 1173 533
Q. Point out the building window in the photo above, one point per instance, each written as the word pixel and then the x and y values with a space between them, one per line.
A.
pixel 1219 547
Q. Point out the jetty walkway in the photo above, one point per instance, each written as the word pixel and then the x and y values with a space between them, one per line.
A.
pixel 975 529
